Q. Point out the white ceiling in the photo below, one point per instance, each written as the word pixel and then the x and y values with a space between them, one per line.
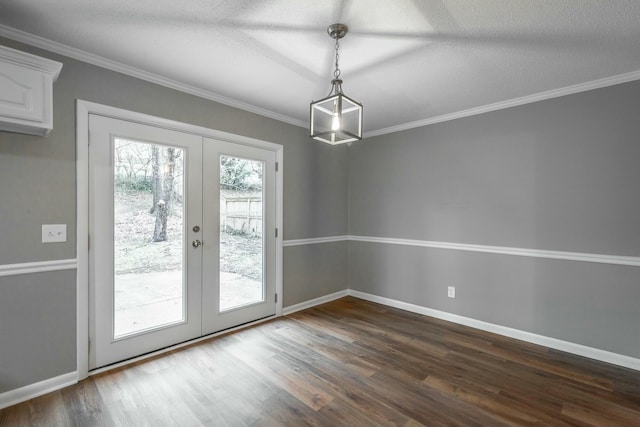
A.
pixel 409 62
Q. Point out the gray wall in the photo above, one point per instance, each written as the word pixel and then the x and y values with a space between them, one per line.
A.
pixel 561 174
pixel 38 327
pixel 317 266
pixel 37 186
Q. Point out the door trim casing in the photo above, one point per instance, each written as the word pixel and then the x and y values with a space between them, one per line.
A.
pixel 83 109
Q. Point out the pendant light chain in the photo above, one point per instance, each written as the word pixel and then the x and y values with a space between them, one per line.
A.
pixel 336 73
pixel 336 83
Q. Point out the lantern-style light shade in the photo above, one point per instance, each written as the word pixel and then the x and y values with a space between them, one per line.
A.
pixel 336 119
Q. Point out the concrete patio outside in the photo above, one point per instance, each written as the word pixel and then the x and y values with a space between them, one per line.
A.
pixel 147 300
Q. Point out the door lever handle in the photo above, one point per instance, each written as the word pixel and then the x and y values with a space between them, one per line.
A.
pixel 196 243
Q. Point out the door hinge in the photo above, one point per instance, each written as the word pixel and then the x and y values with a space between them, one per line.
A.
pixel 89 242
pixel 89 345
pixel 276 297
pixel 276 233
pixel 276 166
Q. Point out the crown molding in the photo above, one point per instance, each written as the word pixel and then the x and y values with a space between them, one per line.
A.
pixel 541 96
pixel 81 55
pixel 32 62
pixel 71 52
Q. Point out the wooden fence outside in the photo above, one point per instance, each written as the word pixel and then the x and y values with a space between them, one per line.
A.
pixel 241 214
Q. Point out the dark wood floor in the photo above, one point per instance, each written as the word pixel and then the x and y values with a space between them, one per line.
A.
pixel 348 363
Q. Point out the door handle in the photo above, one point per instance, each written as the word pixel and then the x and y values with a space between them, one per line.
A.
pixel 196 243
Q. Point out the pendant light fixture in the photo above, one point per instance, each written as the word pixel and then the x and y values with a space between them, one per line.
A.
pixel 337 118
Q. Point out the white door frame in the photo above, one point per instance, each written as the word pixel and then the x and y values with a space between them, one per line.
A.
pixel 83 109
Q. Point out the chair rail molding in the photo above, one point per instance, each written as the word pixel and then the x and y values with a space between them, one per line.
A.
pixel 37 267
pixel 501 250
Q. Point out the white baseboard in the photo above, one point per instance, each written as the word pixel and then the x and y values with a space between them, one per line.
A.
pixel 314 302
pixel 31 391
pixel 13 397
pixel 569 347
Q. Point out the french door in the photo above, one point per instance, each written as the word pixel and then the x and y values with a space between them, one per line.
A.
pixel 182 237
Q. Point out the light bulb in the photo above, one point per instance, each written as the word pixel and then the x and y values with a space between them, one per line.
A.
pixel 335 122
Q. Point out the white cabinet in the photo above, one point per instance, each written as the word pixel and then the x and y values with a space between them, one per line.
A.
pixel 26 92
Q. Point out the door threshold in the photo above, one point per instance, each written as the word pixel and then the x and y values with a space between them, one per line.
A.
pixel 177 346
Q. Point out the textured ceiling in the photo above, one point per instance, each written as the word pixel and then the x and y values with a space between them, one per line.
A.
pixel 407 61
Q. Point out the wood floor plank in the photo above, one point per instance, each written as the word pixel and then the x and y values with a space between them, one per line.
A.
pixel 348 363
pixel 339 380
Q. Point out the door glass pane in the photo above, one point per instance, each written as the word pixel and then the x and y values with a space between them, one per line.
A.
pixel 148 236
pixel 241 232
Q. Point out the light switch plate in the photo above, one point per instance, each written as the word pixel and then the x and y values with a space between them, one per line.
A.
pixel 451 292
pixel 53 233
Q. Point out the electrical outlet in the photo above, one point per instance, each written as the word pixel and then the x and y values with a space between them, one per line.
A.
pixel 451 292
pixel 52 233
